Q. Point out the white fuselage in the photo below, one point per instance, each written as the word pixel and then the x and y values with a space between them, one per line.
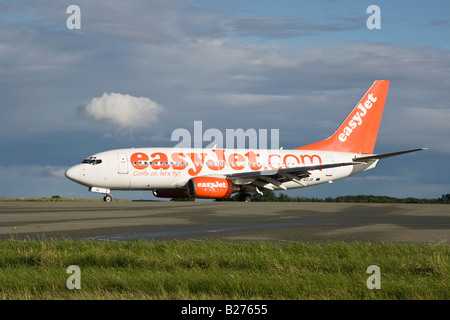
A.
pixel 151 168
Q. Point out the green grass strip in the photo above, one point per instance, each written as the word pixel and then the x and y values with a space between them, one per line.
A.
pixel 222 270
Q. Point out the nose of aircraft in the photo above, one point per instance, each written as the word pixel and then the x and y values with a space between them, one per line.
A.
pixel 73 173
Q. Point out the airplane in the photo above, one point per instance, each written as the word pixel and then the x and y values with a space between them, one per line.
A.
pixel 218 173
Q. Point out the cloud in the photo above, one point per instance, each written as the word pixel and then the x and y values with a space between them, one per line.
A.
pixel 123 110
pixel 8 173
pixel 33 181
pixel 272 27
pixel 247 99
pixel 229 64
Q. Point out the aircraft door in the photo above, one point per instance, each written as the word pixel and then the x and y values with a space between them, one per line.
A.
pixel 123 163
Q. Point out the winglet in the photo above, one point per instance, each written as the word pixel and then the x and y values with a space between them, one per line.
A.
pixel 385 155
pixel 358 132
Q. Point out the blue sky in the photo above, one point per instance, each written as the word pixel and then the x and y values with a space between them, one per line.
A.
pixel 296 66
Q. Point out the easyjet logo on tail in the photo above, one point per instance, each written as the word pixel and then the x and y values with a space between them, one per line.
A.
pixel 357 119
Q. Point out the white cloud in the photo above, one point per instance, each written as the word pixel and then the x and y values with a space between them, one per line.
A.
pixel 125 111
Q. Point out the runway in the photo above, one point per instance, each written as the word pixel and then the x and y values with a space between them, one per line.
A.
pixel 231 221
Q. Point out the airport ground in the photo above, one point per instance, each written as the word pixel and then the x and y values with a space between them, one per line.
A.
pixel 223 250
pixel 291 221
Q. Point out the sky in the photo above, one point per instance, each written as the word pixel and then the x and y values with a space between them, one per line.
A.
pixel 135 71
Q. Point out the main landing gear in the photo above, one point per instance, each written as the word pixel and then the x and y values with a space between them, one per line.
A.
pixel 245 197
pixel 241 197
pixel 108 198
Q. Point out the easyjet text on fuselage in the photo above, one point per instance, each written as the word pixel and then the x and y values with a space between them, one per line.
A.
pixel 218 160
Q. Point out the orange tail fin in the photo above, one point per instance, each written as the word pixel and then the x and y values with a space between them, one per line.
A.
pixel 358 132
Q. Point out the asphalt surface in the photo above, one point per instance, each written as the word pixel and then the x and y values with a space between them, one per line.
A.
pixel 235 221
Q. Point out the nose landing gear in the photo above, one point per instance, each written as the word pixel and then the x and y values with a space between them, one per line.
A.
pixel 107 197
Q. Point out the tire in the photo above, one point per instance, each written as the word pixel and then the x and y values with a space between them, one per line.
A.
pixel 245 197
pixel 107 198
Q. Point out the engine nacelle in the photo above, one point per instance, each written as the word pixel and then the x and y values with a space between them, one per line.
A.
pixel 210 188
pixel 170 193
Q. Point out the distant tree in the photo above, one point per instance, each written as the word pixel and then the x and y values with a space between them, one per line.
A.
pixel 270 196
pixel 445 198
pixel 267 196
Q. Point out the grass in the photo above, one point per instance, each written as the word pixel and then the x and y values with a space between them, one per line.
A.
pixel 222 270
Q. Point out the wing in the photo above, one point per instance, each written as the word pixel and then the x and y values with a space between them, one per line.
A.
pixel 267 178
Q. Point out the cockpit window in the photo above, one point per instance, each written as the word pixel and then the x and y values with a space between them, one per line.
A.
pixel 92 160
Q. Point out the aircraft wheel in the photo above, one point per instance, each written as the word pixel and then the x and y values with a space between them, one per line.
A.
pixel 245 197
pixel 107 198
